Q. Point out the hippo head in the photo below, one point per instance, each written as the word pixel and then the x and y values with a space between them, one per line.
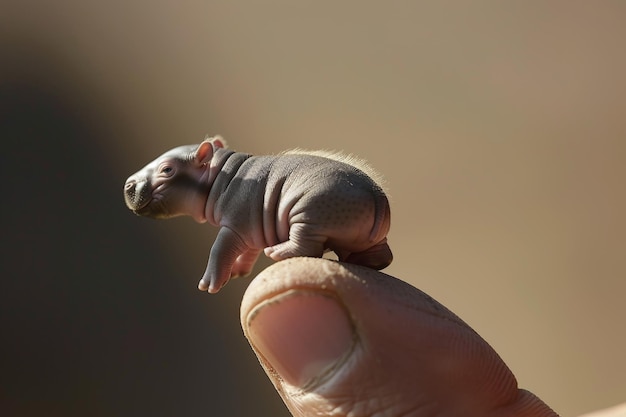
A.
pixel 174 184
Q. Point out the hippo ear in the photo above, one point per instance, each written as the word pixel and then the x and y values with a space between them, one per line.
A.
pixel 204 153
pixel 218 142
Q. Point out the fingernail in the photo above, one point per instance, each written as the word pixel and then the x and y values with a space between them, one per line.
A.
pixel 303 335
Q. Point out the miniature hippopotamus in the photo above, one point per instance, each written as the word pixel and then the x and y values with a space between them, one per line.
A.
pixel 297 203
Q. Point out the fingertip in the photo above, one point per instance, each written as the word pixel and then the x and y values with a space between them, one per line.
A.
pixel 321 327
pixel 304 336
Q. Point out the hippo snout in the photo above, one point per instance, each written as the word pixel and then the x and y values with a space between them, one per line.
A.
pixel 136 194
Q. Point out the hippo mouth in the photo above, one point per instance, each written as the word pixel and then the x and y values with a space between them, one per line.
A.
pixel 154 208
pixel 142 209
pixel 136 202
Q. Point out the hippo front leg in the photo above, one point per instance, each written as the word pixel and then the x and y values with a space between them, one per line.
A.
pixel 228 246
pixel 244 263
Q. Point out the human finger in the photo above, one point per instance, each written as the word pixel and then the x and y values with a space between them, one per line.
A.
pixel 339 339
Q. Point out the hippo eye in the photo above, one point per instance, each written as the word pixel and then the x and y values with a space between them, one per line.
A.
pixel 166 169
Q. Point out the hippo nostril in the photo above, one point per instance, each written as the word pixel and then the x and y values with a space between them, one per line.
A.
pixel 130 185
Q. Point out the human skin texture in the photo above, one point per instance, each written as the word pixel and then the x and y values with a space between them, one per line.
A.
pixel 297 203
pixel 341 340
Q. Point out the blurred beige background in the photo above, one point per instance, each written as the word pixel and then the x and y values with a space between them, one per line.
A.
pixel 500 128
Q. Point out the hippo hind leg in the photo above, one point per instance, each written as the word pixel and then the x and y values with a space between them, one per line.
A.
pixel 303 241
pixel 376 257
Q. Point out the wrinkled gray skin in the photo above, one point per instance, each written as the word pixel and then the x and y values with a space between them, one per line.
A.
pixel 292 204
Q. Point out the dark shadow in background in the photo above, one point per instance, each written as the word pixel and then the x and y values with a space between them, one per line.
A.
pixel 92 319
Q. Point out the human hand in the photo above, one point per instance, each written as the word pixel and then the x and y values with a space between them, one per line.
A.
pixel 617 411
pixel 343 340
